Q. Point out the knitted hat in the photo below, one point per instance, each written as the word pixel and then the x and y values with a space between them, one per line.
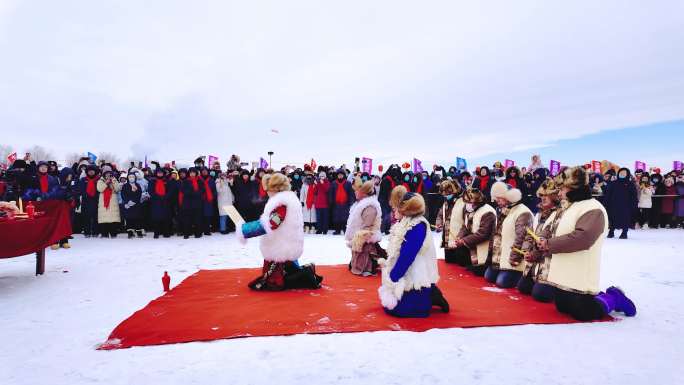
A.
pixel 506 191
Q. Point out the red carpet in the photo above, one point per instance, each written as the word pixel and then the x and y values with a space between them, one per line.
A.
pixel 216 304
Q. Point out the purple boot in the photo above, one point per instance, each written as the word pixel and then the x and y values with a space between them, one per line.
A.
pixel 622 303
pixel 615 299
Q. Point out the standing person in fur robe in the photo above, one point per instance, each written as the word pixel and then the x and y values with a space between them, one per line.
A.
pixel 363 234
pixel 342 197
pixel 450 216
pixel 473 243
pixel 307 195
pixel 514 220
pixel 108 215
pixel 576 244
pixel 533 281
pixel 282 243
pixel 409 274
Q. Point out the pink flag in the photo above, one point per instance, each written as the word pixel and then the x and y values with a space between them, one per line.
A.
pixel 211 160
pixel 678 165
pixel 639 165
pixel 417 165
pixel 367 165
pixel 11 158
pixel 313 165
pixel 554 167
pixel 596 166
pixel 509 163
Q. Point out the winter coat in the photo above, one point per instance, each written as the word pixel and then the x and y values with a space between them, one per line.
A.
pixel 192 199
pixel 34 192
pixel 131 211
pixel 225 196
pixel 679 204
pixel 309 213
pixel 109 214
pixel 340 212
pixel 160 205
pixel 321 191
pixel 245 193
pixel 88 204
pixel 386 186
pixel 645 200
pixel 667 205
pixel 209 206
pixel 621 202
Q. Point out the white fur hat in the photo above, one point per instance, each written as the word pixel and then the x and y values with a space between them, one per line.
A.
pixel 506 191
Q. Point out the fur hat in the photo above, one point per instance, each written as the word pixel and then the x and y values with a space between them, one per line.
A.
pixel 396 196
pixel 548 187
pixel 574 178
pixel 472 195
pixel 275 182
pixel 411 205
pixel 506 191
pixel 448 187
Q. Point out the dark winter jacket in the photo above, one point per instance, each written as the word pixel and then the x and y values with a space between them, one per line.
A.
pixel 621 202
pixel 128 196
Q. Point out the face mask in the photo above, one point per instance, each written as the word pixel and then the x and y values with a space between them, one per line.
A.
pixel 449 197
pixel 406 179
pixel 296 177
pixel 424 177
pixel 470 207
pixel 131 179
pixel 622 176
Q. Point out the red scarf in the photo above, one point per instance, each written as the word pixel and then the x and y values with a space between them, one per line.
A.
pixel 43 182
pixel 512 182
pixel 160 188
pixel 340 194
pixel 262 192
pixel 107 197
pixel 180 199
pixel 310 195
pixel 419 189
pixel 195 186
pixel 407 185
pixel 484 180
pixel 90 188
pixel 207 191
pixel 393 184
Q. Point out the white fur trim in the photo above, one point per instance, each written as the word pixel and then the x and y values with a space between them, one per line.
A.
pixel 354 220
pixel 387 298
pixel 513 195
pixel 286 243
pixel 498 190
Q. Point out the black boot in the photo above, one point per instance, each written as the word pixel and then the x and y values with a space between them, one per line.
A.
pixel 438 299
pixel 131 234
pixel 611 233
pixel 624 234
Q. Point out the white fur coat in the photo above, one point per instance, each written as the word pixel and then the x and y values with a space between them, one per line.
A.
pixel 286 243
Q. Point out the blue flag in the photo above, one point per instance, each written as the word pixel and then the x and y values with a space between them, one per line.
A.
pixel 461 164
pixel 92 157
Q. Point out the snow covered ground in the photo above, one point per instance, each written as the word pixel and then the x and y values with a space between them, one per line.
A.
pixel 51 325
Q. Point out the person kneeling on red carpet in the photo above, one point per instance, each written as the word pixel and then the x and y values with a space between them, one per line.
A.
pixel 576 243
pixel 282 240
pixel 409 274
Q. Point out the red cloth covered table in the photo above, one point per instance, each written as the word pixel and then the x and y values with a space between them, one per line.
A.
pixel 25 236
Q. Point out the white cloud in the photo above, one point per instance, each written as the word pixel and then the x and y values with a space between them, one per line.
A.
pixel 387 79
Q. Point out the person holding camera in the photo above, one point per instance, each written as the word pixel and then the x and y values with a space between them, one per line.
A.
pixel 108 215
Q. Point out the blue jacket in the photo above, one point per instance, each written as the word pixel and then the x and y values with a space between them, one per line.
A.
pixel 33 192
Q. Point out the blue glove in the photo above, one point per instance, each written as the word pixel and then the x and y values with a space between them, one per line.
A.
pixel 252 229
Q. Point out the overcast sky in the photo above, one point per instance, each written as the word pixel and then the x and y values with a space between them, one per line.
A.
pixel 391 80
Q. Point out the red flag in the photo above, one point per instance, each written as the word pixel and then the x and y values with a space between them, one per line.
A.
pixel 313 164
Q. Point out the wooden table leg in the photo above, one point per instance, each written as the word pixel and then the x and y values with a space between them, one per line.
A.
pixel 40 262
